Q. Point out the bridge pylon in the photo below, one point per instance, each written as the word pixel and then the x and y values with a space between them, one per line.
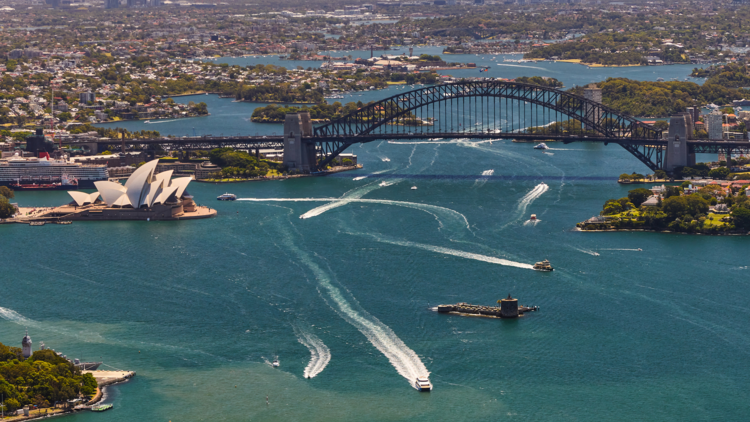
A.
pixel 680 131
pixel 298 155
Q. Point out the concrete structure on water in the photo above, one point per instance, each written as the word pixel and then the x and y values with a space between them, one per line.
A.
pixel 509 308
pixel 298 156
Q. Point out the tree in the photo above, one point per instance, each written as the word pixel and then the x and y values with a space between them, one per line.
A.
pixel 64 116
pixel 674 206
pixel 660 174
pixel 624 176
pixel 639 196
pixel 6 209
pixel 11 65
pixel 11 405
pixel 719 173
pixel 7 192
pixel 741 217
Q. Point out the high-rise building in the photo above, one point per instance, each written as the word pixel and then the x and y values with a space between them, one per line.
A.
pixel 86 97
pixel 111 4
pixel 715 121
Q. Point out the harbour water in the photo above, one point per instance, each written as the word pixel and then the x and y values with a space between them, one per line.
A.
pixel 345 295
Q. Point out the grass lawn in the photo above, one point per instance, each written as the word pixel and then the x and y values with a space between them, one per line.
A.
pixel 396 83
pixel 716 222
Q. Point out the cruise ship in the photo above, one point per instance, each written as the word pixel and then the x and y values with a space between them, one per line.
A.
pixel 29 170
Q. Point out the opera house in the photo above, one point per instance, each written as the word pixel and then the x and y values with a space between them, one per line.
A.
pixel 146 195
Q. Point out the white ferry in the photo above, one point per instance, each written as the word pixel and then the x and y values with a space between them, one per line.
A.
pixel 541 145
pixel 423 384
pixel 29 170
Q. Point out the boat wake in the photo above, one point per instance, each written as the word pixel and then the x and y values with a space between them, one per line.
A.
pixel 371 174
pixel 404 360
pixel 13 316
pixel 488 172
pixel 454 252
pixel 440 213
pixel 320 354
pixel 620 249
pixel 527 200
pixel 592 253
pixel 463 141
pixel 531 222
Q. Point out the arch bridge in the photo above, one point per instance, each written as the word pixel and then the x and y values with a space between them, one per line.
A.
pixel 488 109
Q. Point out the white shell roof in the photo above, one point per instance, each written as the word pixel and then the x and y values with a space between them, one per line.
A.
pixel 143 187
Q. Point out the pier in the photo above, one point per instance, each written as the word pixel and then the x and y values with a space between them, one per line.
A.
pixel 508 308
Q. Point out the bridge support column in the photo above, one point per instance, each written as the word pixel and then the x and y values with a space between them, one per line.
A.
pixel 677 148
pixel 298 155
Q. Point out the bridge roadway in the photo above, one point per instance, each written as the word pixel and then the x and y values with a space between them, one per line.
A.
pixel 277 142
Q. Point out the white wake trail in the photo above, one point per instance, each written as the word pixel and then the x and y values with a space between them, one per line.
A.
pixel 531 197
pixel 488 172
pixel 586 251
pixel 454 252
pixel 404 360
pixel 11 315
pixel 454 217
pixel 320 354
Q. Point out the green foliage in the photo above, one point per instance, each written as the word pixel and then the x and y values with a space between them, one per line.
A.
pixel 540 80
pixel 11 65
pixel 661 99
pixel 639 196
pixel 719 173
pixel 741 217
pixel 6 209
pixel 660 174
pixel 7 192
pixel 42 379
pixel 681 206
pixel 237 163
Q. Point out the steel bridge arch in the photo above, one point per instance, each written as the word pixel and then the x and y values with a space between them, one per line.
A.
pixel 604 122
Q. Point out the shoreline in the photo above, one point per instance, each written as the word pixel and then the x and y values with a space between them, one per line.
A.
pixel 578 229
pixel 338 169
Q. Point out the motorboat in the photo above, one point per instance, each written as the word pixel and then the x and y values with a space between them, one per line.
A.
pixel 423 384
pixel 533 217
pixel 227 197
pixel 541 145
pixel 640 250
pixel 275 363
pixel 413 188
pixel 543 266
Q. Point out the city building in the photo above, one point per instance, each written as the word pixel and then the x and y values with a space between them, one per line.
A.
pixel 86 97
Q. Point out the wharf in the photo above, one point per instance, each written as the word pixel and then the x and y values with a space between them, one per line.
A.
pixel 508 308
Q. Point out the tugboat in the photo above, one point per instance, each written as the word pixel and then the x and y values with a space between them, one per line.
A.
pixel 543 266
pixel 423 384
pixel 541 145
pixel 227 197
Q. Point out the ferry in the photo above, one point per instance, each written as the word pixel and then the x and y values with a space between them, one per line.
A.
pixel 101 407
pixel 423 384
pixel 543 266
pixel 227 197
pixel 541 145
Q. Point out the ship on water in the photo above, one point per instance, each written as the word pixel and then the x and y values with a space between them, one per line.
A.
pixel 24 172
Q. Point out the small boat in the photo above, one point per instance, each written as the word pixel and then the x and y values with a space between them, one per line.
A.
pixel 423 384
pixel 640 250
pixel 275 363
pixel 227 197
pixel 533 217
pixel 147 121
pixel 413 188
pixel 541 145
pixel 101 407
pixel 543 266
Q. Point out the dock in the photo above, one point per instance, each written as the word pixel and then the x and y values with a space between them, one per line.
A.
pixel 508 308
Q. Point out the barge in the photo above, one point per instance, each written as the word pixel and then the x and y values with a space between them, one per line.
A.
pixel 508 308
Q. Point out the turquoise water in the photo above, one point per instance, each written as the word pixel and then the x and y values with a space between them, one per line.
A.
pixel 200 308
pixel 197 308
